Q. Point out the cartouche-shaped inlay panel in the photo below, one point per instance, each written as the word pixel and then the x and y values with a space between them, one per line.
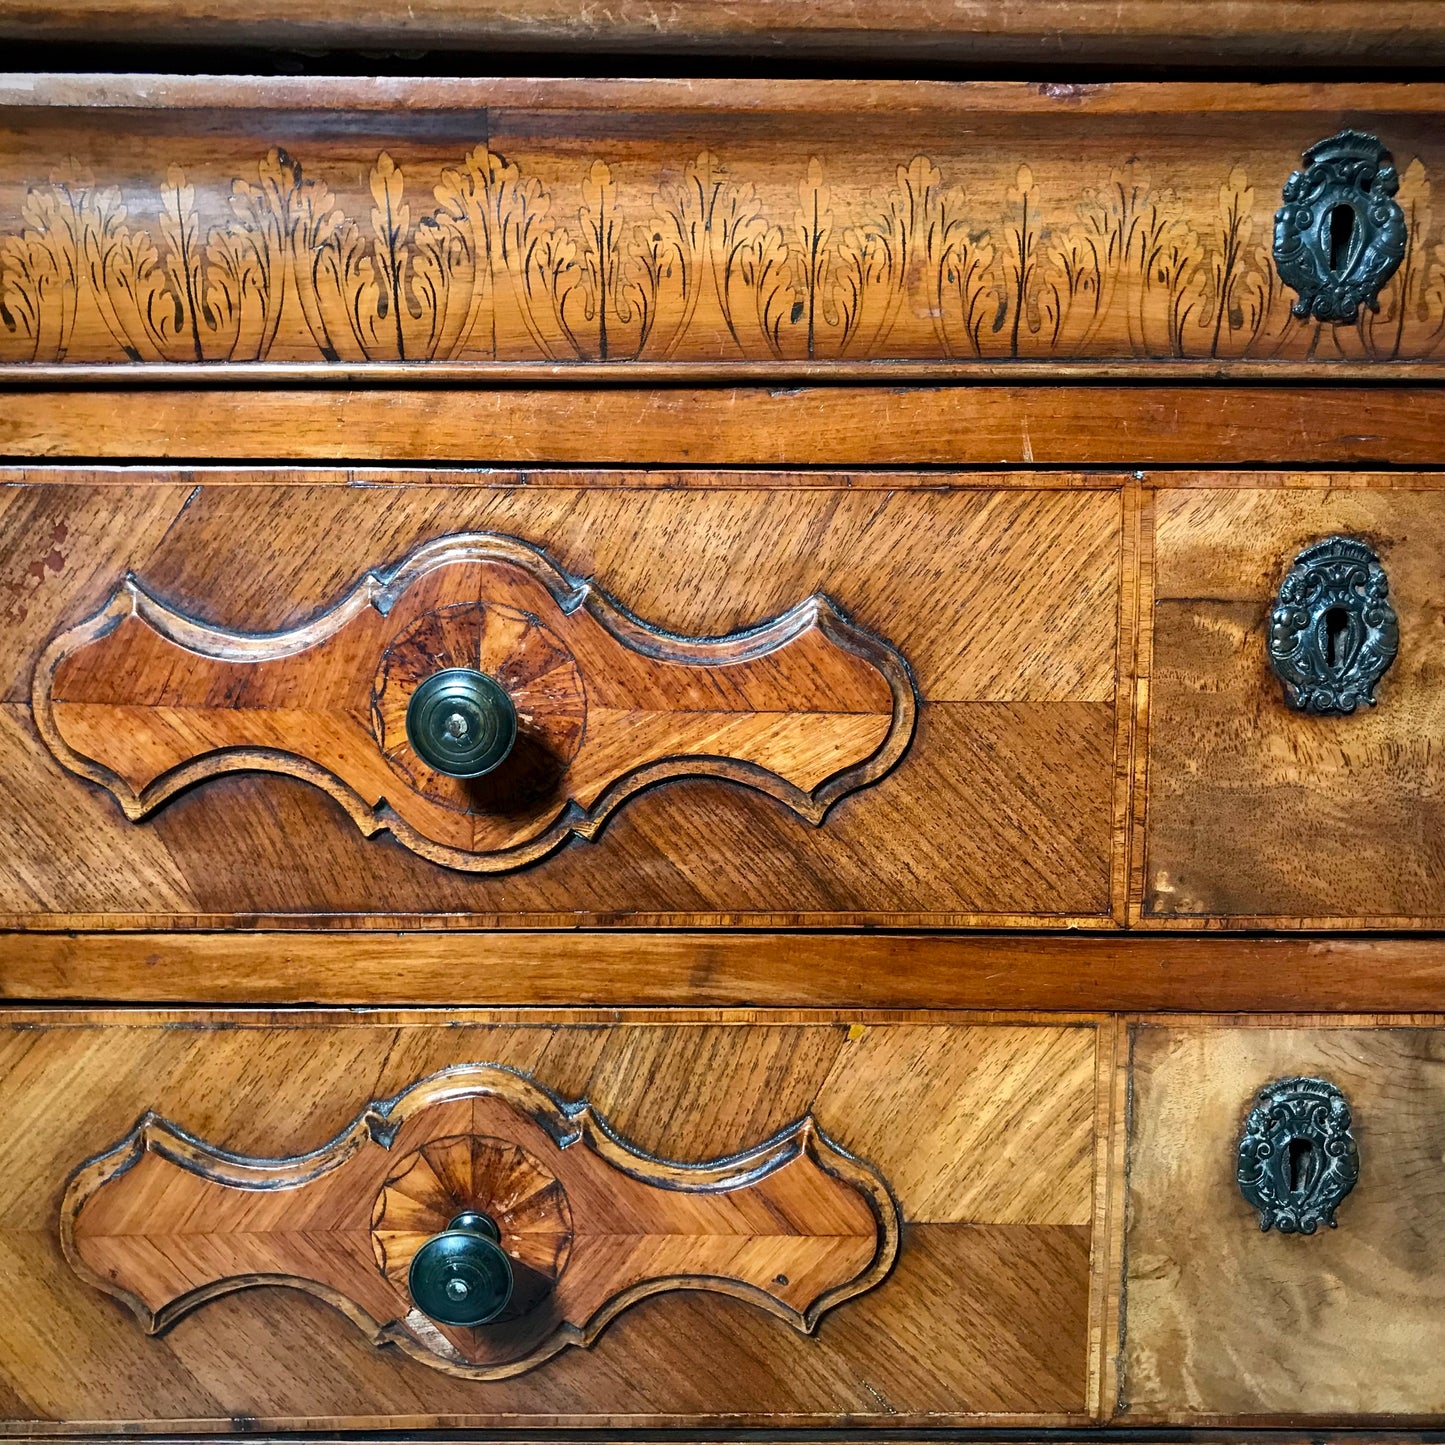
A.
pixel 589 1225
pixel 146 701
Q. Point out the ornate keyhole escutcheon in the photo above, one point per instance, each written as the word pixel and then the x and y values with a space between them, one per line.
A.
pixel 1297 1157
pixel 1340 234
pixel 1333 633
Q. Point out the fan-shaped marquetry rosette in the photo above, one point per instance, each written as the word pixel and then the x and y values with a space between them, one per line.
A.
pixel 540 676
pixel 146 701
pixel 793 1226
pixel 430 1188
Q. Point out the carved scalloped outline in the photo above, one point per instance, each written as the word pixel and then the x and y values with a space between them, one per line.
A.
pixel 381 589
pixel 568 1124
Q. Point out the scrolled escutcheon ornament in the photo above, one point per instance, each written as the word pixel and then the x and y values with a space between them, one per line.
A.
pixel 1333 633
pixel 1340 234
pixel 1297 1156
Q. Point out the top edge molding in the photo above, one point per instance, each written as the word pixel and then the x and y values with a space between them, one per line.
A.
pixel 1262 33
pixel 151 91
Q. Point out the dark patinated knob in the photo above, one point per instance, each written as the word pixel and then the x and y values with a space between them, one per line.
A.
pixel 462 1276
pixel 461 722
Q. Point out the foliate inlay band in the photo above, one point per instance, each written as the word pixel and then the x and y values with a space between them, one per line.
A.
pixel 489 263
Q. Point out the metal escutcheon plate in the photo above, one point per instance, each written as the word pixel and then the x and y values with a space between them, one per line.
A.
pixel 1340 234
pixel 1297 1156
pixel 1333 632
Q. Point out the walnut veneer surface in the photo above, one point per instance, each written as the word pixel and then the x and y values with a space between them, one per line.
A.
pixel 1073 662
pixel 851 1003
pixel 1225 1320
pixel 1015 726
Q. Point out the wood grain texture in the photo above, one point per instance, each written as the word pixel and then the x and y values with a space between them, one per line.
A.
pixel 166 1223
pixel 146 701
pixel 1331 822
pixel 1111 1212
pixel 1143 669
pixel 687 224
pixel 1254 33
pixel 1015 734
pixel 1091 972
pixel 850 1436
pixel 988 1125
pixel 1125 427
pixel 1224 1320
pixel 1129 726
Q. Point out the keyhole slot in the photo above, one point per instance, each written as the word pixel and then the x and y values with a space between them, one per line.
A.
pixel 1342 235
pixel 1338 629
pixel 1298 1165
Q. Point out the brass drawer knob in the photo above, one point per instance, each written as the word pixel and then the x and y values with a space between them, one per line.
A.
pixel 1297 1156
pixel 462 1276
pixel 461 722
pixel 1333 633
pixel 1340 234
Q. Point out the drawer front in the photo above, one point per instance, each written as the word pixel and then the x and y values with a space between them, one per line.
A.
pixel 906 1237
pixel 1268 803
pixel 1226 1319
pixel 201 673
pixel 833 228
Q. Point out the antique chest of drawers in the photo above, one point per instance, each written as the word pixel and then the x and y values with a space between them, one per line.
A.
pixel 722 755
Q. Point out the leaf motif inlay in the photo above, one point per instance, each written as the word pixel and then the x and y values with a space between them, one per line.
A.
pixel 497 265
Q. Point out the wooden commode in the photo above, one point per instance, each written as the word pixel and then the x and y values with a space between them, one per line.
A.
pixel 750 744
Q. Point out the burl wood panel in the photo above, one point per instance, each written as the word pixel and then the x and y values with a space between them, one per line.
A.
pixel 987 1132
pixel 166 1223
pixel 146 701
pixel 1004 598
pixel 1255 33
pixel 688 226
pixel 1259 814
pixel 1224 1320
